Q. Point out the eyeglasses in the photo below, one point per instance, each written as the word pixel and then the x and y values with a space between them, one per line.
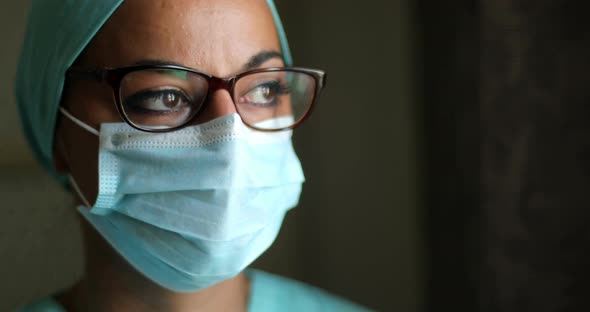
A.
pixel 163 98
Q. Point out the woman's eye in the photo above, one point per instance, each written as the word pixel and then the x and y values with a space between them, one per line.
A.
pixel 158 101
pixel 264 94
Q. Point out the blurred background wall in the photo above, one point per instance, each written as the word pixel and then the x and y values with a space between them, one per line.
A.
pixel 39 238
pixel 448 67
pixel 357 231
pixel 505 90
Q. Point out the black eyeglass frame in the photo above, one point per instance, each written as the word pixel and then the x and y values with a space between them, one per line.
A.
pixel 114 77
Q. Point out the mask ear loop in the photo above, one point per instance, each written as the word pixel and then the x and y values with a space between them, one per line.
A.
pixel 70 177
pixel 79 122
pixel 78 191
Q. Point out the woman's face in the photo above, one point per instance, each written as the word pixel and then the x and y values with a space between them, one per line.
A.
pixel 218 37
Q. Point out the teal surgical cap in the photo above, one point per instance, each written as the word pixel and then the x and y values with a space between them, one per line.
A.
pixel 57 32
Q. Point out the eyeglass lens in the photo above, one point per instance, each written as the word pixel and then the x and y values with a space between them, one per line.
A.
pixel 157 99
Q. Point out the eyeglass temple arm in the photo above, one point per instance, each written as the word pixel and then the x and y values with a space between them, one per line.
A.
pixel 321 78
pixel 98 75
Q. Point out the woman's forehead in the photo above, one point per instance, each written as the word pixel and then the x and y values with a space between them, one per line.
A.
pixel 216 36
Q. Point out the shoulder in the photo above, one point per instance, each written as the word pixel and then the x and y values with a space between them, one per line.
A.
pixel 44 305
pixel 270 292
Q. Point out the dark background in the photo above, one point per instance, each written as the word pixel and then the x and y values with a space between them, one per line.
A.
pixel 504 86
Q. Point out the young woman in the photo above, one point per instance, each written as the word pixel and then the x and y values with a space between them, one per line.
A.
pixel 170 121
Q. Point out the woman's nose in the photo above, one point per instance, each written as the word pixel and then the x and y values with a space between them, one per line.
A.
pixel 218 104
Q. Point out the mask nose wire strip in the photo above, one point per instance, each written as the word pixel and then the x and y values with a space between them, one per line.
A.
pixel 79 122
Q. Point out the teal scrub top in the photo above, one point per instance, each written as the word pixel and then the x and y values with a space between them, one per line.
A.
pixel 269 292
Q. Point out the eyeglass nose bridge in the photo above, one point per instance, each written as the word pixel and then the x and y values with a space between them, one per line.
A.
pixel 216 83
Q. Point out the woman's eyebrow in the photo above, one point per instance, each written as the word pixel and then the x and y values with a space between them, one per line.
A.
pixel 259 59
pixel 156 63
pixel 254 62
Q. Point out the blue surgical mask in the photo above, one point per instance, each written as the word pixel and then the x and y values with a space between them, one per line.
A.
pixel 193 207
